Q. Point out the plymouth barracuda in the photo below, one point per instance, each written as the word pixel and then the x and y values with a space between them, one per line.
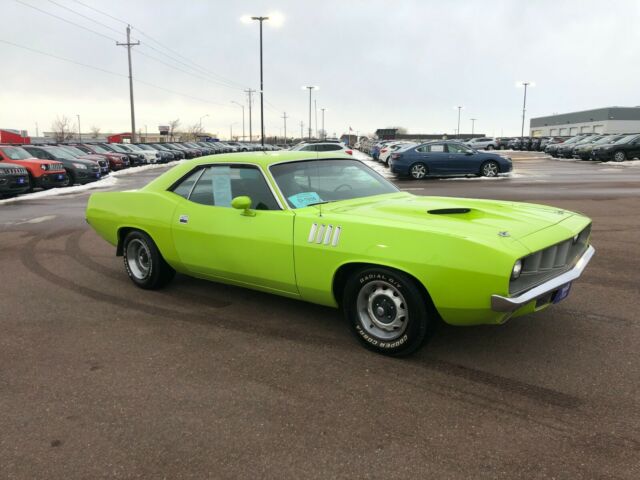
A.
pixel 331 231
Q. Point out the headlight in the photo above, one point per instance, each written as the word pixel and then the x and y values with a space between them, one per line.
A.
pixel 2 172
pixel 517 269
pixel 80 166
pixel 44 167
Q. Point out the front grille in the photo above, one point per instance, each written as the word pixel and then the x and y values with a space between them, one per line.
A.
pixel 56 167
pixel 14 171
pixel 550 262
pixel 103 163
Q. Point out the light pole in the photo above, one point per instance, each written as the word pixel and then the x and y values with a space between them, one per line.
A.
pixel 242 107
pixel 310 88
pixel 79 129
pixel 524 104
pixel 459 107
pixel 231 130
pixel 473 124
pixel 324 132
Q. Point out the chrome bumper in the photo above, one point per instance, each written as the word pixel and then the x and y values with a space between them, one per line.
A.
pixel 511 304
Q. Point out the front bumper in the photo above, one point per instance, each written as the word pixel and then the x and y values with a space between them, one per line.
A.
pixel 511 304
pixel 54 179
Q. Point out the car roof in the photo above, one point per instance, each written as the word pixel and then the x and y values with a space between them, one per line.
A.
pixel 265 159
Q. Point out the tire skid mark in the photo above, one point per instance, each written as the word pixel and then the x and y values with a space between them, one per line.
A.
pixel 73 250
pixel 29 260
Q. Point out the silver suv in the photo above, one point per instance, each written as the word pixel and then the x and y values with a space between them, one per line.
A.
pixel 483 143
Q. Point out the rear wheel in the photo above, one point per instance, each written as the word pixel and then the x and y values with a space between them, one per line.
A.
pixel 387 311
pixel 144 263
pixel 619 156
pixel 71 179
pixel 490 147
pixel 418 171
pixel 489 169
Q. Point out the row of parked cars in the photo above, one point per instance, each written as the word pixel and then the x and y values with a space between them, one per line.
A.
pixel 616 147
pixel 24 168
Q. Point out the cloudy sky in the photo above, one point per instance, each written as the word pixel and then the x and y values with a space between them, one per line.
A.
pixel 377 63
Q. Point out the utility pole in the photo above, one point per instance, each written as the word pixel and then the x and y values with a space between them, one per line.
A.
pixel 473 123
pixel 261 20
pixel 324 133
pixel 301 129
pixel 524 109
pixel 315 107
pixel 133 114
pixel 284 117
pixel 458 131
pixel 37 132
pixel 310 88
pixel 249 93
pixel 79 129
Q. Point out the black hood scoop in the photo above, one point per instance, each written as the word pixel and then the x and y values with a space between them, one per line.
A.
pixel 448 211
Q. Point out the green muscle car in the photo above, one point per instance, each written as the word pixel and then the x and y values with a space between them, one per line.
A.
pixel 332 231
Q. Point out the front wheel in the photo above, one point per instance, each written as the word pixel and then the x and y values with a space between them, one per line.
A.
pixel 489 169
pixel 418 171
pixel 619 156
pixel 387 311
pixel 144 263
pixel 490 147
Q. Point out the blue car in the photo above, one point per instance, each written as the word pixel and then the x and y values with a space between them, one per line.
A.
pixel 445 158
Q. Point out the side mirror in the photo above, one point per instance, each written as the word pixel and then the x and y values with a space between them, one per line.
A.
pixel 243 203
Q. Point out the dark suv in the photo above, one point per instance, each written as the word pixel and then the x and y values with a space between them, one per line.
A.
pixel 625 148
pixel 14 179
pixel 78 170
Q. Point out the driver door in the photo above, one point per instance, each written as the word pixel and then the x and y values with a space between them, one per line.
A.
pixel 216 241
pixel 462 159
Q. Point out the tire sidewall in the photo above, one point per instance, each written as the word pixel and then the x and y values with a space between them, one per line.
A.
pixel 487 163
pixel 154 258
pixel 419 318
pixel 624 157
pixel 415 165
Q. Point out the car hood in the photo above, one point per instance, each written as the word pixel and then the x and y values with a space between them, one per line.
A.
pixel 454 216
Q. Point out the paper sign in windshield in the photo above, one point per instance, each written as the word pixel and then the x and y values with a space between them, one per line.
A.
pixel 222 186
pixel 304 199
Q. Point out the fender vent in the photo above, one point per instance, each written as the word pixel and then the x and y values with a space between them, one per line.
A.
pixel 448 211
pixel 324 234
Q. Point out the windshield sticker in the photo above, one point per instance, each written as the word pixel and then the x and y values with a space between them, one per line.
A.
pixel 304 199
pixel 222 186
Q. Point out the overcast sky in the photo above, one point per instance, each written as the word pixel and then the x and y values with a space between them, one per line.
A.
pixel 377 63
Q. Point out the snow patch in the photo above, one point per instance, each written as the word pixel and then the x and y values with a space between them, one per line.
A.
pixel 108 182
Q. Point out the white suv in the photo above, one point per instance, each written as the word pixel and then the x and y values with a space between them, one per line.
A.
pixel 323 147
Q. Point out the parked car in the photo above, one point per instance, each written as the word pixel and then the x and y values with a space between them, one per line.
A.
pixel 503 142
pixel 552 149
pixel 162 147
pixel 443 158
pixel 135 158
pixel 583 150
pixel 206 150
pixel 323 147
pixel 483 143
pixel 546 141
pixel 42 173
pixel 14 179
pixel 625 148
pixel 78 170
pixel 162 156
pixel 117 161
pixel 388 150
pixel 149 156
pixel 565 150
pixel 99 159
pixel 394 262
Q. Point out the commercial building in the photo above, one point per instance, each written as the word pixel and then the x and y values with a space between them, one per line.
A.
pixel 599 120
pixel 393 134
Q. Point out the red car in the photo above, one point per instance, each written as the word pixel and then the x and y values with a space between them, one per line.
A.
pixel 117 161
pixel 42 173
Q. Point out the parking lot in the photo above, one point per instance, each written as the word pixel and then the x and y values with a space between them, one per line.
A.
pixel 101 379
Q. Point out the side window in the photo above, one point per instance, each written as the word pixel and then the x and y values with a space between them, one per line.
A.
pixel 220 184
pixel 456 148
pixel 437 148
pixel 308 148
pixel 186 185
pixel 423 149
pixel 332 148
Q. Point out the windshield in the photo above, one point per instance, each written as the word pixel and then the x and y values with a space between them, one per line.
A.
pixel 135 148
pixel 16 153
pixel 74 151
pixel 626 139
pixel 61 153
pixel 311 182
pixel 608 139
pixel 117 148
pixel 145 147
pixel 99 149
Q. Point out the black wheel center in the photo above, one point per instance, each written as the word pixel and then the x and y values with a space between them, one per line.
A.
pixel 384 309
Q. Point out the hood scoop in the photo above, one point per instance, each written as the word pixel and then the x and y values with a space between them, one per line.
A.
pixel 448 211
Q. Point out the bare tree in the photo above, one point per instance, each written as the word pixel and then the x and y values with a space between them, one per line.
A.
pixel 62 128
pixel 401 130
pixel 173 127
pixel 194 131
pixel 95 132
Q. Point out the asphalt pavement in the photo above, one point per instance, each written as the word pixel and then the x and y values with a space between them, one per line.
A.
pixel 99 379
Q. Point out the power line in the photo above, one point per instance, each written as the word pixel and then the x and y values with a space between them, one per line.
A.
pixel 85 16
pixel 117 74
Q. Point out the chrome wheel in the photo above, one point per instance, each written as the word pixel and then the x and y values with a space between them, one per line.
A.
pixel 138 259
pixel 418 171
pixel 619 157
pixel 490 169
pixel 382 310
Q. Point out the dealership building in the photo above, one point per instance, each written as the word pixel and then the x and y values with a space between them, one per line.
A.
pixel 600 120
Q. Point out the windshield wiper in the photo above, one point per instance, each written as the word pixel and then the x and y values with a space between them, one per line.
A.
pixel 319 203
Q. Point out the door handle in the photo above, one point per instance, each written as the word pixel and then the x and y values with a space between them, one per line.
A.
pixel 184 219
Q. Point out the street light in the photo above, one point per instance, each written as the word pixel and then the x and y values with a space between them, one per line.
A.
pixel 242 107
pixel 324 132
pixel 310 88
pixel 524 104
pixel 276 20
pixel 231 130
pixel 473 124
pixel 459 107
pixel 79 130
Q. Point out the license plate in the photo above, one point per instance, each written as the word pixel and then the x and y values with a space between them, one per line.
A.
pixel 97 175
pixel 562 293
pixel 21 180
pixel 60 177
